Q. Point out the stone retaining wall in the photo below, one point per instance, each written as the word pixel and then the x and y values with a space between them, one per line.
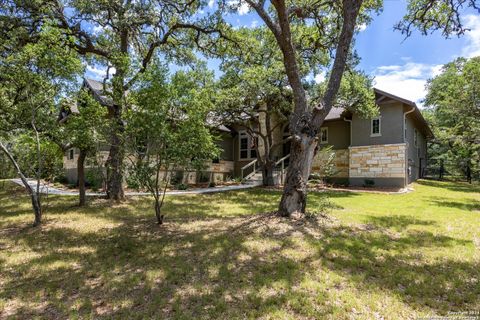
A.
pixel 379 161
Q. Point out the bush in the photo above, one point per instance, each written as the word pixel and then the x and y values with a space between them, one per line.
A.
pixel 181 186
pixel 94 178
pixel 344 182
pixel 203 176
pixel 368 183
pixel 61 179
pixel 212 184
pixel 132 183
pixel 176 178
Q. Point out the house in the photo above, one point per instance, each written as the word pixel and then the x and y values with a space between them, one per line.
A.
pixel 387 151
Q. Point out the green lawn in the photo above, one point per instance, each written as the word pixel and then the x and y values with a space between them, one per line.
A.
pixel 377 257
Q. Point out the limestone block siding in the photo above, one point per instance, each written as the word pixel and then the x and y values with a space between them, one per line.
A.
pixel 341 163
pixel 378 161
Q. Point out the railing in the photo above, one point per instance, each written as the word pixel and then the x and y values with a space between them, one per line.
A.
pixel 250 164
pixel 282 167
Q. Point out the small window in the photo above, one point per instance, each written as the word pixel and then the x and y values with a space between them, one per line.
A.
pixel 376 127
pixel 70 154
pixel 415 137
pixel 323 135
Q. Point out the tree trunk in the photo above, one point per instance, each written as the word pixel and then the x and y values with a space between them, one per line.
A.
pixel 469 172
pixel 37 208
pixel 267 173
pixel 294 197
pixel 35 197
pixel 158 211
pixel 115 160
pixel 81 177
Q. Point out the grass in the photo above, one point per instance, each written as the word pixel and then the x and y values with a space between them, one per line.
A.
pixel 377 257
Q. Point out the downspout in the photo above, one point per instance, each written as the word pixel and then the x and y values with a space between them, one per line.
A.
pixel 350 121
pixel 406 143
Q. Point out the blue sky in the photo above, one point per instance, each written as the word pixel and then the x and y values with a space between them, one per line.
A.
pixel 400 66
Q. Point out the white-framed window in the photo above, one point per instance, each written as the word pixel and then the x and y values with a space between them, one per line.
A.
pixel 324 135
pixel 376 127
pixel 247 146
pixel 70 154
pixel 415 138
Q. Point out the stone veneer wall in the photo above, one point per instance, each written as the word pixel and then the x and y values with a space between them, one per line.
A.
pixel 378 161
pixel 341 162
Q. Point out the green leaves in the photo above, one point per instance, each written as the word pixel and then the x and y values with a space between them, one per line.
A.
pixel 453 100
pixel 168 128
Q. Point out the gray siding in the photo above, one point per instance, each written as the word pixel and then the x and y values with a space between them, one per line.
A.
pixel 416 155
pixel 226 145
pixel 391 127
pixel 338 134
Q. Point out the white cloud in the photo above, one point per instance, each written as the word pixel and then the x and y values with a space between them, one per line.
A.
pixel 472 49
pixel 211 3
pixel 254 24
pixel 407 80
pixel 97 29
pixel 362 27
pixel 98 72
pixel 319 77
pixel 241 6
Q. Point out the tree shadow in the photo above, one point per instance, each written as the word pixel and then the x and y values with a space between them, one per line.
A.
pixel 464 204
pixel 398 222
pixel 228 267
pixel 452 186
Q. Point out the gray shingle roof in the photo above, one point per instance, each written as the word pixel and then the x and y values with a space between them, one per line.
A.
pixel 97 89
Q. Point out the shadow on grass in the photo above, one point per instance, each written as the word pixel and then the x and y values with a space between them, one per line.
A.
pixel 206 262
pixel 452 186
pixel 464 204
pixel 227 267
pixel 398 222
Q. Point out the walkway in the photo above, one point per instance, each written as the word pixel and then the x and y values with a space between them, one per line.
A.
pixel 54 191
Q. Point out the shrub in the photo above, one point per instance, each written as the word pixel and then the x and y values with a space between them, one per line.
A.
pixel 344 182
pixel 61 179
pixel 132 183
pixel 368 183
pixel 203 176
pixel 94 178
pixel 181 186
pixel 212 184
pixel 176 178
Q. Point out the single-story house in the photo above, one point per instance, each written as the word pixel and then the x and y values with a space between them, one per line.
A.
pixel 389 150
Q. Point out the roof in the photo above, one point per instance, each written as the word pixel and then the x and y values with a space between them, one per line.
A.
pixel 98 91
pixel 416 114
pixel 337 113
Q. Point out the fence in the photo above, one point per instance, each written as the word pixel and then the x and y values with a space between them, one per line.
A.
pixel 442 169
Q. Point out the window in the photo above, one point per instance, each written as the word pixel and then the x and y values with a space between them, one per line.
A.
pixel 323 135
pixel 376 128
pixel 247 146
pixel 415 138
pixel 70 154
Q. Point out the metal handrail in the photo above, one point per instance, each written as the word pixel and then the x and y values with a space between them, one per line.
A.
pixel 252 163
pixel 282 161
